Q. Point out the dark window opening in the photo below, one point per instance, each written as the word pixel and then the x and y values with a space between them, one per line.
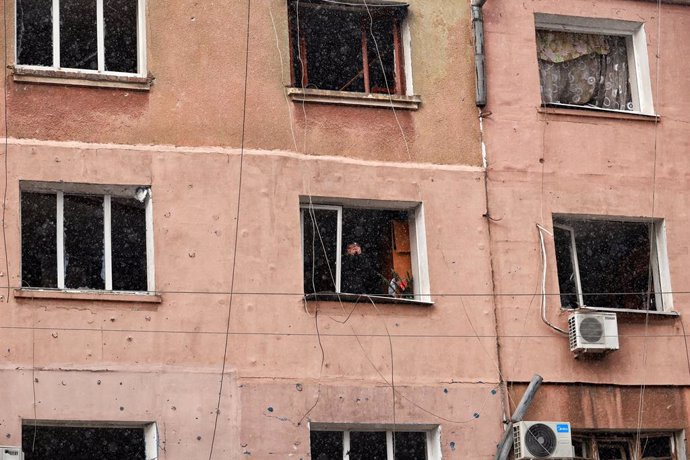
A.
pixel 84 257
pixel 624 446
pixel 82 224
pixel 120 35
pixel 35 32
pixel 584 69
pixel 605 263
pixel 78 25
pixel 326 445
pixel 79 43
pixel 39 244
pixel 368 445
pixel 347 48
pixel 86 443
pixel 361 251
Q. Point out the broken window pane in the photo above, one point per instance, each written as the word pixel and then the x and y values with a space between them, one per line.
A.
pixel 34 32
pixel 369 269
pixel 657 448
pixel 320 245
pixel 64 442
pixel 381 55
pixel 614 451
pixel 326 445
pixel 128 243
pixel 39 244
pixel 120 35
pixel 614 262
pixel 328 46
pixel 78 43
pixel 84 261
pixel 565 264
pixel 410 445
pixel 368 445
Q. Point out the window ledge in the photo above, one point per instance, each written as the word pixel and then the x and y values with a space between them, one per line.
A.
pixel 77 78
pixel 379 299
pixel 627 312
pixel 351 98
pixel 596 112
pixel 104 296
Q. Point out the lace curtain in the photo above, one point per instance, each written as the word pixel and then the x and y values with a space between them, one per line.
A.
pixel 584 69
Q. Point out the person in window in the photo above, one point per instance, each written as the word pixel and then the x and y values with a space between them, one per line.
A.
pixel 357 272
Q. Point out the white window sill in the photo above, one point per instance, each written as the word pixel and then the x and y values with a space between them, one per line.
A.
pixel 364 298
pixel 351 98
pixel 103 296
pixel 596 112
pixel 77 78
pixel 627 311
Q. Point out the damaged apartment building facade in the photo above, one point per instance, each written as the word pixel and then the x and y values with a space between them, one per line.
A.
pixel 285 229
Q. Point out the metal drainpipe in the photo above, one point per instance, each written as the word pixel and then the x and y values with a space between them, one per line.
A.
pixel 478 28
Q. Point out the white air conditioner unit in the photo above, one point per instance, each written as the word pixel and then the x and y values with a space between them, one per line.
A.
pixel 593 332
pixel 11 453
pixel 542 440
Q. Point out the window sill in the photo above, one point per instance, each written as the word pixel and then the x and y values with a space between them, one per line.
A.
pixel 76 78
pixel 103 296
pixel 379 299
pixel 627 312
pixel 595 112
pixel 351 98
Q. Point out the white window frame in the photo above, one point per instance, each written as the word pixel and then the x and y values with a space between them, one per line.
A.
pixel 418 249
pixel 100 38
pixel 107 192
pixel 658 258
pixel 433 435
pixel 150 430
pixel 636 43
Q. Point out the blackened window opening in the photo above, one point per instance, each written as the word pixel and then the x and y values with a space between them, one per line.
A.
pixel 120 35
pixel 39 244
pixel 346 49
pixel 326 445
pixel 368 445
pixel 67 443
pixel 410 445
pixel 615 263
pixel 84 245
pixel 34 32
pixel 374 251
pixel 78 40
pixel 128 242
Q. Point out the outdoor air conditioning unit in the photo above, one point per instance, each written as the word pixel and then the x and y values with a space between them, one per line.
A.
pixel 11 453
pixel 593 332
pixel 542 440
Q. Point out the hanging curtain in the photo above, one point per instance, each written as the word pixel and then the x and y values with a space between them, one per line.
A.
pixel 584 69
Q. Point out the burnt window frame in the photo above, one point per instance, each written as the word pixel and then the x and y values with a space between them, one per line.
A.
pixel 100 40
pixel 107 192
pixel 377 9
pixel 661 278
pixel 418 248
pixel 636 45
pixel 591 440
pixel 433 440
pixel 150 430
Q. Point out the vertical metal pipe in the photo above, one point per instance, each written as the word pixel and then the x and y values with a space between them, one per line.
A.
pixel 478 29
